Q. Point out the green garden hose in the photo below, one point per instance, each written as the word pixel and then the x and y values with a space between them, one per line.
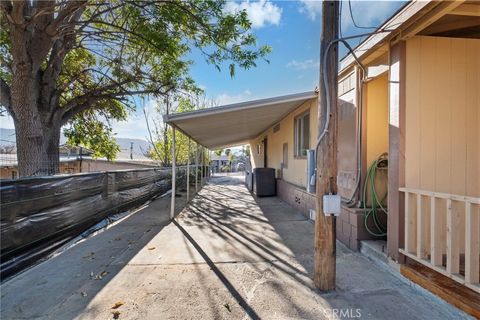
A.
pixel 381 163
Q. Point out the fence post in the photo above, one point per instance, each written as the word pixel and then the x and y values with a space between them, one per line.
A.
pixel 111 185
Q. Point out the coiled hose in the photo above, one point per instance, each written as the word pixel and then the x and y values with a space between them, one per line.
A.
pixel 381 163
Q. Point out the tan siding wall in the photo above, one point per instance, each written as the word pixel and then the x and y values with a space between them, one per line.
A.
pixel 376 113
pixel 296 171
pixel 377 117
pixel 443 115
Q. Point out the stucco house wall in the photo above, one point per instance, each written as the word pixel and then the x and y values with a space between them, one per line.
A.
pixel 296 171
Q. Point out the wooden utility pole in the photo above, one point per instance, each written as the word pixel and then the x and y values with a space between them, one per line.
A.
pixel 325 248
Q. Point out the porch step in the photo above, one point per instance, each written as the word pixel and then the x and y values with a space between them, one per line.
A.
pixel 375 250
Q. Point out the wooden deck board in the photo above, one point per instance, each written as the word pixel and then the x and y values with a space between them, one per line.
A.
pixel 444 287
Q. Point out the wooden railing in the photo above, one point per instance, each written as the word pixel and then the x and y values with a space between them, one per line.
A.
pixel 442 231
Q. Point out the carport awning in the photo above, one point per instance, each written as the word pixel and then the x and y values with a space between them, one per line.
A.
pixel 237 123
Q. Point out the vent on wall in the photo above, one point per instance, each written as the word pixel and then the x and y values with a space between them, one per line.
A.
pixel 276 127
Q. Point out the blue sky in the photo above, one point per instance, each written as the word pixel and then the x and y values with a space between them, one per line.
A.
pixel 292 29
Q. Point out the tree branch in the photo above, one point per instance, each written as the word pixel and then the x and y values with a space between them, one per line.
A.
pixel 87 101
pixel 159 155
pixel 69 10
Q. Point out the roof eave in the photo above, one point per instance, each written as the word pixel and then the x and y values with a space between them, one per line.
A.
pixel 171 118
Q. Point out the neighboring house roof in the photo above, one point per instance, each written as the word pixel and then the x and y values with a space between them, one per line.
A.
pixel 10 160
pixel 74 150
pixel 237 123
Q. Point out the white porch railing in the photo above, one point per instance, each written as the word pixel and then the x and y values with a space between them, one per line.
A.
pixel 442 232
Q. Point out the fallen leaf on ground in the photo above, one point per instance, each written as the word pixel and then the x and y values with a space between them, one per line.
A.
pixel 116 314
pixel 117 305
pixel 151 248
pixel 226 305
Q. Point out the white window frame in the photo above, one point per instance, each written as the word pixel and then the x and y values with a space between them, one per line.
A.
pixel 300 141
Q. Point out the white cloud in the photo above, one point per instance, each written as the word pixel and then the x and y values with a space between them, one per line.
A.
pixel 225 98
pixel 304 65
pixel 260 12
pixel 311 8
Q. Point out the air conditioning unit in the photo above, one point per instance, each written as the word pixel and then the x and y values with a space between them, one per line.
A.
pixel 264 183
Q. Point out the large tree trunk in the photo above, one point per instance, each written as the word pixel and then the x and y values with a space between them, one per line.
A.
pixel 37 131
pixel 37 150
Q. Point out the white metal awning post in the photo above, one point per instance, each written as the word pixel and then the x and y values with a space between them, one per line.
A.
pixel 210 170
pixel 188 171
pixel 196 168
pixel 174 176
pixel 201 161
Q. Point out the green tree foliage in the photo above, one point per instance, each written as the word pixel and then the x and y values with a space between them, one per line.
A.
pixel 83 60
pixel 162 150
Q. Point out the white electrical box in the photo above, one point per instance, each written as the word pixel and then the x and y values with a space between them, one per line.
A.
pixel 332 204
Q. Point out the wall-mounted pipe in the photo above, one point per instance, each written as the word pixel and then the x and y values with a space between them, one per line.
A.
pixel 326 125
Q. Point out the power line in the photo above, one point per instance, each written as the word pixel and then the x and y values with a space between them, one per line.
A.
pixel 353 19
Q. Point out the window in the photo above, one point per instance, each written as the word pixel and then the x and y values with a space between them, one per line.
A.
pixel 302 134
pixel 285 156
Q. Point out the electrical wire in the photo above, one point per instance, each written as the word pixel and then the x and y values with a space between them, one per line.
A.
pixel 350 202
pixel 324 81
pixel 371 213
pixel 353 19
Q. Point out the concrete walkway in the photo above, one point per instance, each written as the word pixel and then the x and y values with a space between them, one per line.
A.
pixel 228 255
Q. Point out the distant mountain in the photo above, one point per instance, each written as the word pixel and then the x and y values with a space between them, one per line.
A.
pixel 7 137
pixel 140 147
